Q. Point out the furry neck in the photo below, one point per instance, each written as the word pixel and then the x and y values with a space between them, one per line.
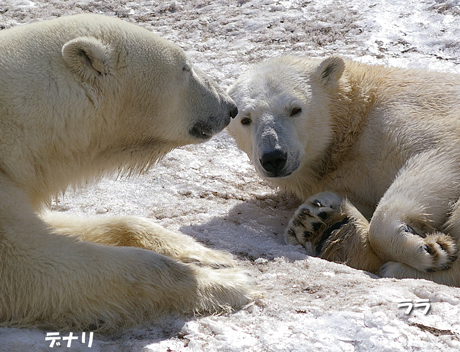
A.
pixel 351 102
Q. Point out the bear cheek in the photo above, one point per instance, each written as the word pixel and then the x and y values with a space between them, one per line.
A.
pixel 244 137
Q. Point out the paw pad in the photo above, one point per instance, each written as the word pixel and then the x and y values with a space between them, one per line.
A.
pixel 311 221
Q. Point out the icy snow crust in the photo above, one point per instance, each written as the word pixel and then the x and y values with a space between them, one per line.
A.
pixel 212 193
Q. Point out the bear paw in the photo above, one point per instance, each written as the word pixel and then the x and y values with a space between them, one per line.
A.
pixel 439 251
pixel 207 257
pixel 315 220
pixel 432 251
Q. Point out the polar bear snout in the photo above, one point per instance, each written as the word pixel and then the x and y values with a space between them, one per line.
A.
pixel 204 130
pixel 233 112
pixel 274 162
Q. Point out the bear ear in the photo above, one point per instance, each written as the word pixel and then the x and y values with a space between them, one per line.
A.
pixel 87 57
pixel 330 70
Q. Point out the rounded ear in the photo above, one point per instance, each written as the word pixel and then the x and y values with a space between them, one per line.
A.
pixel 330 70
pixel 87 57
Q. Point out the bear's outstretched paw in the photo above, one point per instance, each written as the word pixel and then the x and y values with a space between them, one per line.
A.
pixel 207 257
pixel 313 218
pixel 224 290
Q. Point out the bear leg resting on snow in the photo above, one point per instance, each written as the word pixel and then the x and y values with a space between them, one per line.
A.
pixel 81 97
pixel 373 150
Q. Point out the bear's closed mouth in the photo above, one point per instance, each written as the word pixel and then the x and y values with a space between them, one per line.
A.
pixel 201 131
pixel 279 175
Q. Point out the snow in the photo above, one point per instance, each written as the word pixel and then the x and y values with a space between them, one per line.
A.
pixel 212 193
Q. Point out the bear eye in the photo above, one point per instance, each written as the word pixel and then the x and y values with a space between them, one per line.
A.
pixel 246 121
pixel 295 111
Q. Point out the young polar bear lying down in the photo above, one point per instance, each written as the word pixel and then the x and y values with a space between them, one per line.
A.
pixel 375 152
pixel 80 97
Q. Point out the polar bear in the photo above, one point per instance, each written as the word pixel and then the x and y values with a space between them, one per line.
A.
pixel 374 152
pixel 81 97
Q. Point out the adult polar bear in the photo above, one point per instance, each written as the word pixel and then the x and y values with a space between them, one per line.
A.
pixel 80 97
pixel 381 144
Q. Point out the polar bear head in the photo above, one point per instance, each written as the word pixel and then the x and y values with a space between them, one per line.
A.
pixel 284 119
pixel 156 84
pixel 88 95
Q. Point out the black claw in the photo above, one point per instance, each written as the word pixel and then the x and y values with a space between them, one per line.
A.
pixel 407 228
pixel 316 226
pixel 304 213
pixel 445 267
pixel 428 249
pixel 317 203
pixel 297 223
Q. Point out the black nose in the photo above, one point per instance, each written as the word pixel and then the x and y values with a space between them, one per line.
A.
pixel 274 162
pixel 233 112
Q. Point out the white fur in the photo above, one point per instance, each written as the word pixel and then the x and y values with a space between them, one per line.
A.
pixel 80 97
pixel 385 139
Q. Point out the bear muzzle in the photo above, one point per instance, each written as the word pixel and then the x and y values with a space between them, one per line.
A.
pixel 274 163
pixel 206 129
pixel 202 131
pixel 233 112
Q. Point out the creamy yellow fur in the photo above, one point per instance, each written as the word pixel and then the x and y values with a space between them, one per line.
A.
pixel 81 97
pixel 385 139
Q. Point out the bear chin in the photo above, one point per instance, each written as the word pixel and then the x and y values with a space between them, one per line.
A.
pixel 204 131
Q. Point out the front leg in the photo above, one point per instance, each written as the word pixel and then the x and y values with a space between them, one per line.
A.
pixel 407 226
pixel 131 231
pixel 58 281
pixel 333 229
